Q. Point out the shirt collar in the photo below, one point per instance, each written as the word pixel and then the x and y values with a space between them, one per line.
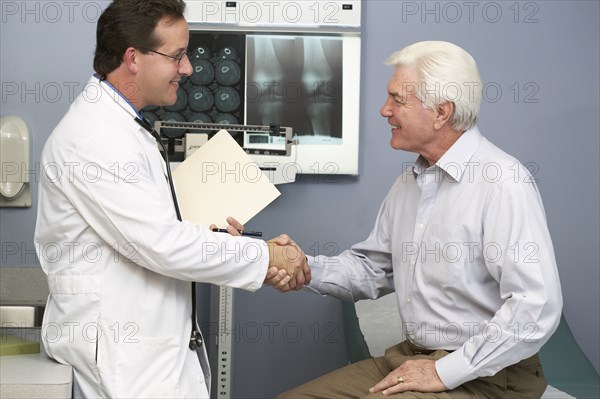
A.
pixel 456 159
pixel 420 166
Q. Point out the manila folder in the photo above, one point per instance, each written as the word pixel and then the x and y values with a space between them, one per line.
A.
pixel 219 180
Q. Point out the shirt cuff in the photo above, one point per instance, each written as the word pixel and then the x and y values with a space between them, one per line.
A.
pixel 316 275
pixel 325 281
pixel 453 371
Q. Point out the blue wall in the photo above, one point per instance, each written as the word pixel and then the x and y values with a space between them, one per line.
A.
pixel 540 61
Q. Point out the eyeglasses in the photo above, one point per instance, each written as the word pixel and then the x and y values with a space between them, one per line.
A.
pixel 177 58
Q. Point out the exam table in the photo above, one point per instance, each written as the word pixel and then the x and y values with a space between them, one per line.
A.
pixel 371 326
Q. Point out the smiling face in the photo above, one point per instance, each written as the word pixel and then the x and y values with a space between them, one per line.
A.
pixel 412 124
pixel 158 76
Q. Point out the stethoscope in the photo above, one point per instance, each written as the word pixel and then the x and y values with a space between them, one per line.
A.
pixel 196 340
pixel 196 336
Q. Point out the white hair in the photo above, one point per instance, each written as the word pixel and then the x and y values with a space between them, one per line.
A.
pixel 448 74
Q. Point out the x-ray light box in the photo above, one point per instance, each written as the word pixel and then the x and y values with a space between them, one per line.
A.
pixel 302 73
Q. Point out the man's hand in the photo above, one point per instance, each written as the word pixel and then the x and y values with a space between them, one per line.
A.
pixel 234 227
pixel 413 375
pixel 288 269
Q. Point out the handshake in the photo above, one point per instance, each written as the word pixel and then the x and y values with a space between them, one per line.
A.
pixel 288 266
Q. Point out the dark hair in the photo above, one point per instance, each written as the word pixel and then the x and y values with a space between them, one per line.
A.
pixel 130 23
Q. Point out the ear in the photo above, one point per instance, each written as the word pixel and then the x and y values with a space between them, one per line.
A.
pixel 130 59
pixel 444 112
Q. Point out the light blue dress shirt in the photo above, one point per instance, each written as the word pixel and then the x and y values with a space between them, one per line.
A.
pixel 465 246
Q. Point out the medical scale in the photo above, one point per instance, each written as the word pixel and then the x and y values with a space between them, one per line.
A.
pixel 271 147
pixel 266 145
pixel 257 65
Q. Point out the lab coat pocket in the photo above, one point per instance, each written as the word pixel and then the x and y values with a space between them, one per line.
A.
pixel 444 253
pixel 146 368
pixel 70 329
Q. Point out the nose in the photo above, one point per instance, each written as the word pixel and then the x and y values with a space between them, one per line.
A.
pixel 185 66
pixel 385 110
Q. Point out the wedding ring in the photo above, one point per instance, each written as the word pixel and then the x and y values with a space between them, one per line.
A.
pixel 400 380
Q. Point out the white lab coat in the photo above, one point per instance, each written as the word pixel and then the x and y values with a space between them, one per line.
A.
pixel 118 261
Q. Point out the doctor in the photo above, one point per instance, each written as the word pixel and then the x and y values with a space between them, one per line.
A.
pixel 119 263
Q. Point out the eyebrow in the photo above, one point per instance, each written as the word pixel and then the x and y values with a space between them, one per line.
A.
pixel 397 96
pixel 177 52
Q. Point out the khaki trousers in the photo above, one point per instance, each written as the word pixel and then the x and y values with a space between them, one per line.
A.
pixel 519 381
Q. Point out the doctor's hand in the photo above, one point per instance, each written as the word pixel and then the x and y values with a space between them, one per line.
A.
pixel 286 279
pixel 284 239
pixel 233 227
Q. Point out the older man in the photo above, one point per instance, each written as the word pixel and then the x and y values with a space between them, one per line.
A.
pixel 461 238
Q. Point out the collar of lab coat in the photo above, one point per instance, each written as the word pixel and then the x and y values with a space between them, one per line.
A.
pixel 117 95
pixel 97 90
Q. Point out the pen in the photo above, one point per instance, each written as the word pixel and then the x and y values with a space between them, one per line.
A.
pixel 246 233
